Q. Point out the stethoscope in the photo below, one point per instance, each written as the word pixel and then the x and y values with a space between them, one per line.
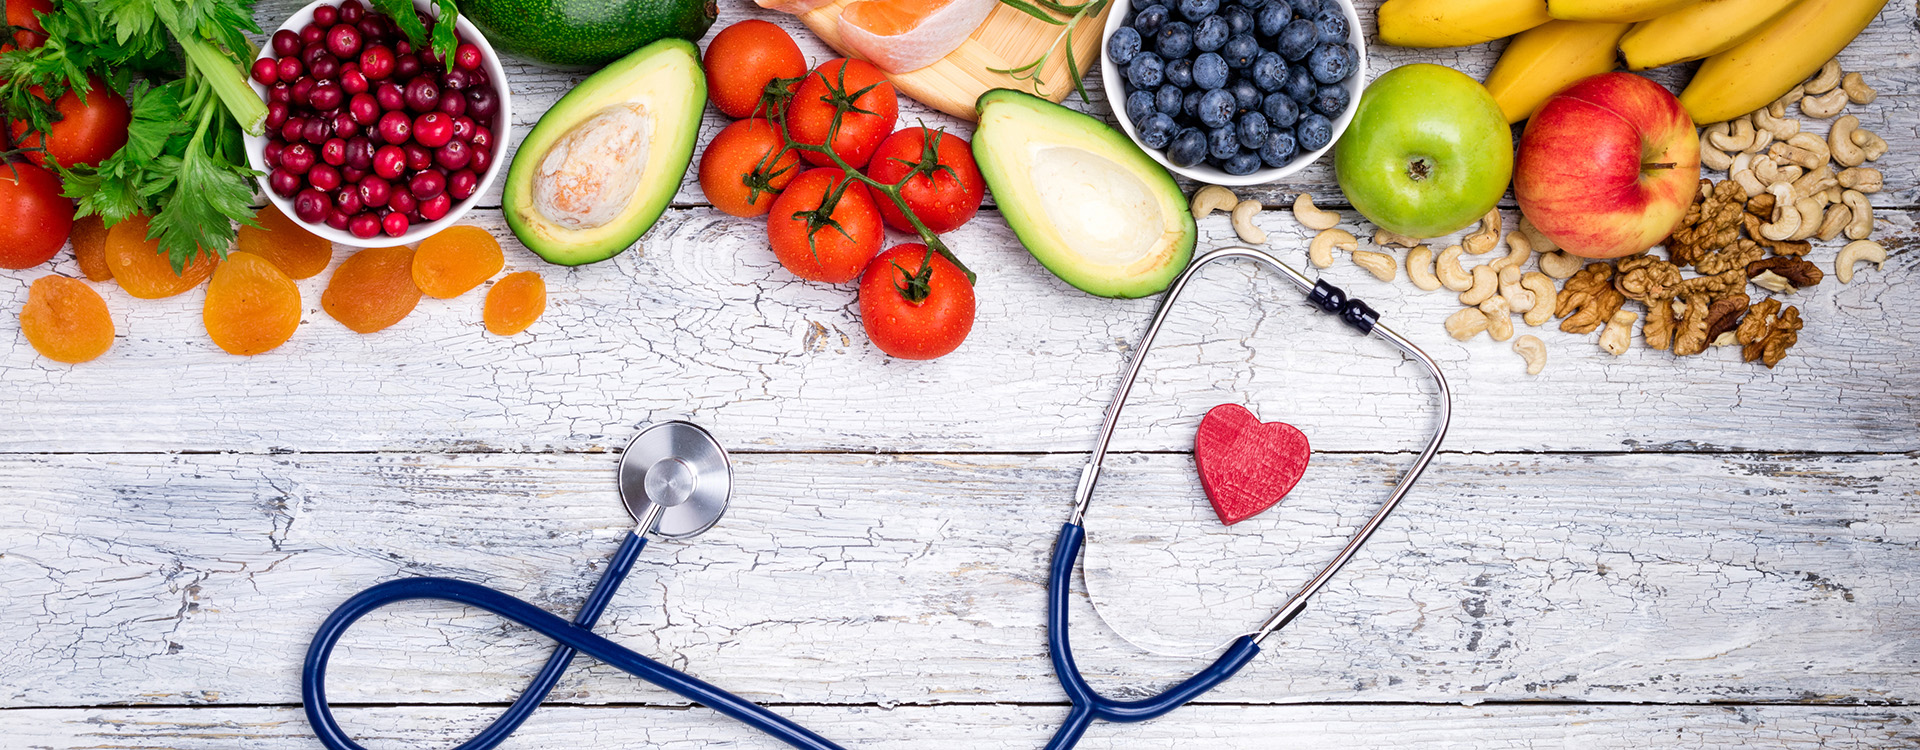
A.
pixel 675 480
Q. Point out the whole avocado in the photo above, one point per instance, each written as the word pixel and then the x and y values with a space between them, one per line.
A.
pixel 583 33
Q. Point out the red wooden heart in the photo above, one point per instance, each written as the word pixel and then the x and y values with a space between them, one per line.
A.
pixel 1247 466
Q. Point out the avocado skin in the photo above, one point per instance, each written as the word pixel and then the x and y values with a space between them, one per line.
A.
pixel 587 33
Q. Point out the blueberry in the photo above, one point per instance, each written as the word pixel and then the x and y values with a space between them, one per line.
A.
pixel 1269 72
pixel 1296 40
pixel 1180 72
pixel 1146 71
pixel 1331 63
pixel 1175 39
pixel 1281 111
pixel 1239 19
pixel 1139 105
pixel 1210 71
pixel 1330 25
pixel 1300 85
pixel 1279 148
pixel 1253 129
pixel 1194 10
pixel 1331 100
pixel 1188 148
pixel 1149 20
pixel 1305 8
pixel 1216 108
pixel 1158 131
pixel 1123 45
pixel 1245 162
pixel 1315 131
pixel 1240 51
pixel 1166 101
pixel 1223 142
pixel 1246 96
pixel 1190 104
pixel 1271 19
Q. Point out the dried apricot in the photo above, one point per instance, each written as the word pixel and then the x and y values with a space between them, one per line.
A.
pixel 90 247
pixel 143 270
pixel 65 320
pixel 298 253
pixel 456 260
pixel 251 305
pixel 372 289
pixel 515 302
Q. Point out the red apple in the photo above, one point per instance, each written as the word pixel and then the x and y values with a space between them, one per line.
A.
pixel 1608 166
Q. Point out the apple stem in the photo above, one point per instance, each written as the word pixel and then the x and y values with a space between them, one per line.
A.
pixel 1657 165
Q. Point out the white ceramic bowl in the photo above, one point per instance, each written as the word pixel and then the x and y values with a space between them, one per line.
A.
pixel 1115 80
pixel 503 119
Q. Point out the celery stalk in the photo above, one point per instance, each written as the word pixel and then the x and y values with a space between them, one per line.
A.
pixel 220 72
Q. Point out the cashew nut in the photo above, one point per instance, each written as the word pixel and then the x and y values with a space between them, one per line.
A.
pixel 1320 250
pixel 1499 319
pixel 1213 198
pixel 1543 298
pixel 1561 264
pixel 1870 142
pixel 1840 142
pixel 1420 268
pixel 1779 106
pixel 1312 217
pixel 1774 282
pixel 1749 182
pixel 1825 105
pixel 1619 334
pixel 1519 252
pixel 1854 252
pixel 1805 149
pixel 1533 351
pixel 1809 210
pixel 1378 264
pixel 1786 218
pixel 1449 270
pixel 1243 222
pixel 1834 222
pixel 1832 195
pixel 1857 89
pixel 1519 299
pixel 1540 241
pixel 1863 179
pixel 1386 237
pixel 1486 283
pixel 1776 127
pixel 1738 139
pixel 1484 238
pixel 1826 80
pixel 1769 171
pixel 1861 224
pixel 1814 182
pixel 1466 324
pixel 1711 157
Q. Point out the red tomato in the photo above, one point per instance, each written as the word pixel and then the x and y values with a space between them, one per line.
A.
pixel 835 86
pixel 924 328
pixel 820 236
pixel 743 58
pixel 945 191
pixel 38 218
pixel 738 172
pixel 26 13
pixel 86 133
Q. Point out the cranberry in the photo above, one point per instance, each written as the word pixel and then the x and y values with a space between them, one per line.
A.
pixel 334 151
pixel 365 226
pixel 403 47
pixel 395 224
pixel 371 28
pixel 317 130
pixel 461 184
pixel 395 128
pixel 463 128
pixel 266 71
pixel 481 158
pixel 481 102
pixel 401 200
pixel 426 185
pixel 353 81
pixel 467 56
pixel 336 218
pixel 295 129
pixel 286 42
pixel 348 200
pixel 323 178
pixel 422 95
pixel 406 66
pixel 455 80
pixel 373 192
pixel 389 96
pixel 352 176
pixel 284 183
pixel 482 139
pixel 324 66
pixel 311 34
pixel 433 208
pixel 326 15
pixel 477 77
pixel 296 158
pixel 343 125
pixel 301 89
pixel 364 109
pixel 325 95
pixel 359 152
pixel 281 93
pixel 433 129
pixel 454 155
pixel 290 68
pixel 352 11
pixel 389 162
pixel 418 157
pixel 376 63
pixel 311 206
pixel 276 114
pixel 343 41
pixel 453 104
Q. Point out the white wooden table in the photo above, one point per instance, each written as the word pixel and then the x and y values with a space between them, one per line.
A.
pixel 1619 553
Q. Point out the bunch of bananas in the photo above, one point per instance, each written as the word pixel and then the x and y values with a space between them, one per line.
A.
pixel 1755 50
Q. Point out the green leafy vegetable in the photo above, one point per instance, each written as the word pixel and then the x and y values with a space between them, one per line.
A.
pixel 443 39
pixel 1075 14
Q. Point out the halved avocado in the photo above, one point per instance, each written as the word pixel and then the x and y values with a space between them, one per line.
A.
pixel 601 165
pixel 1088 203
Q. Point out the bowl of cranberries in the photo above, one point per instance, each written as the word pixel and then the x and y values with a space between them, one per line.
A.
pixel 371 141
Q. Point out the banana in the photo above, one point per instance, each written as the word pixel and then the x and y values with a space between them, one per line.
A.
pixel 1703 29
pixel 1753 73
pixel 1548 57
pixel 1613 10
pixel 1456 23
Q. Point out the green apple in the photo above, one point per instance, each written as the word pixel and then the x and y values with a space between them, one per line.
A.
pixel 1428 151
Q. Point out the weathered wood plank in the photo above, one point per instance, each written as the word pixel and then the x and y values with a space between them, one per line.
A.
pixel 198 579
pixel 704 323
pixel 1357 727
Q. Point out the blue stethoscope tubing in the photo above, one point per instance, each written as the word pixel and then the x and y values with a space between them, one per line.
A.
pixel 1088 704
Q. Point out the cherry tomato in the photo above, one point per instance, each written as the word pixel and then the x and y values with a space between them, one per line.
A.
pixel 821 231
pixel 87 133
pixel 945 192
pixel 26 13
pixel 38 218
pixel 743 58
pixel 912 312
pixel 836 85
pixel 738 172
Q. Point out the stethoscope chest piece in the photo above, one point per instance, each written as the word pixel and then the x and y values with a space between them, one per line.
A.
pixel 678 475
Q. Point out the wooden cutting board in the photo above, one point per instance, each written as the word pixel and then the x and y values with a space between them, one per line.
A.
pixel 1007 39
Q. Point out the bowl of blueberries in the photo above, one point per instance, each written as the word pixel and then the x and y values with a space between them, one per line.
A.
pixel 1234 92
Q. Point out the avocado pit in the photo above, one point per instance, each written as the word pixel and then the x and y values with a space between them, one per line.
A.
pixel 591 173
